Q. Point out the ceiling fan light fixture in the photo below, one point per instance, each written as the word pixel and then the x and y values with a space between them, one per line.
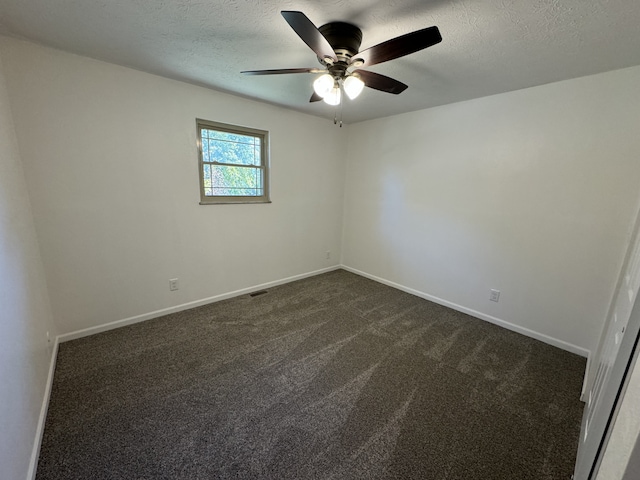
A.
pixel 323 85
pixel 333 97
pixel 353 86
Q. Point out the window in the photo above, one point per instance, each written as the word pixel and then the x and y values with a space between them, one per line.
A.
pixel 233 163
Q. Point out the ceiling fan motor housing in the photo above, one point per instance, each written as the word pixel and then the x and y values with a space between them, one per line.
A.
pixel 344 38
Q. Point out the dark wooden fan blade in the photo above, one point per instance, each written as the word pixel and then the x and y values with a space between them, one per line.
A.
pixel 381 82
pixel 282 70
pixel 309 34
pixel 400 46
pixel 315 98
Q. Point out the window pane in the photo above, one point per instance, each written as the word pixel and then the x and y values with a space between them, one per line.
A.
pixel 233 153
pixel 230 137
pixel 206 175
pixel 236 181
pixel 205 149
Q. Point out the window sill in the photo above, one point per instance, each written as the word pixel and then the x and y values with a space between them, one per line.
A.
pixel 233 202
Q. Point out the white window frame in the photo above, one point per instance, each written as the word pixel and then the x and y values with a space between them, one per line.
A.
pixel 264 163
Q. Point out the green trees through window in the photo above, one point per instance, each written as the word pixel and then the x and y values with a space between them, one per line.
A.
pixel 233 163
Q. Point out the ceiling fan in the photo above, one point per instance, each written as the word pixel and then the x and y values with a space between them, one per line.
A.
pixel 337 46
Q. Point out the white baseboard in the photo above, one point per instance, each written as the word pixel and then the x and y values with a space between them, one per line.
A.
pixel 583 352
pixel 85 332
pixel 35 453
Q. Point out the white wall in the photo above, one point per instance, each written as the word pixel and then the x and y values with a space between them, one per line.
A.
pixel 531 192
pixel 25 314
pixel 110 160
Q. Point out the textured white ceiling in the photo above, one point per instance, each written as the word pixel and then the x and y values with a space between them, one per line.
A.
pixel 488 47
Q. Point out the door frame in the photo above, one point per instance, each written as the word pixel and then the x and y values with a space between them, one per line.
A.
pixel 627 356
pixel 587 467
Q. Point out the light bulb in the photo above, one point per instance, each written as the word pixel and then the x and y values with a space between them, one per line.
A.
pixel 323 84
pixel 353 86
pixel 333 97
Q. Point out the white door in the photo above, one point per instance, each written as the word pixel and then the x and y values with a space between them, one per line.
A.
pixel 603 391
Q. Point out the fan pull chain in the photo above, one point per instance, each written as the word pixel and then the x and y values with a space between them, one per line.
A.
pixel 337 116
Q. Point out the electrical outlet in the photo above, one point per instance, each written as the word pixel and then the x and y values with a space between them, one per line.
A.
pixel 328 255
pixel 173 284
pixel 494 296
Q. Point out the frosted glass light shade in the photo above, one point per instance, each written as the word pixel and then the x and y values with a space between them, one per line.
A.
pixel 333 97
pixel 323 84
pixel 353 86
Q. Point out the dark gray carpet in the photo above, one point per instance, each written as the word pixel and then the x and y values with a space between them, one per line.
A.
pixel 331 377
